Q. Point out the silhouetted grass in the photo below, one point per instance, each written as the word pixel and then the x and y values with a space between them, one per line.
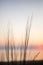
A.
pixel 28 29
pixel 7 51
pixel 27 36
pixel 36 56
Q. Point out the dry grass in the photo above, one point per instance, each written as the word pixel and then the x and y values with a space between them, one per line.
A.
pixel 27 36
pixel 28 29
pixel 36 56
pixel 7 52
pixel 11 52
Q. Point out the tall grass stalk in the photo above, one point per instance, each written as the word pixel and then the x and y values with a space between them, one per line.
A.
pixel 7 51
pixel 21 52
pixel 25 43
pixel 27 36
pixel 12 53
pixel 12 44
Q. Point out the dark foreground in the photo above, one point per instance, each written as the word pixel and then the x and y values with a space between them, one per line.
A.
pixel 23 63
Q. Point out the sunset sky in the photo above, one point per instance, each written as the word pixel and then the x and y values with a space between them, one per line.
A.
pixel 16 12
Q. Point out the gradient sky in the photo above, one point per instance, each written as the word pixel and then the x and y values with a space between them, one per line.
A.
pixel 16 12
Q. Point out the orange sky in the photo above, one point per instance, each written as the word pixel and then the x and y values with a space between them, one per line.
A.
pixel 35 38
